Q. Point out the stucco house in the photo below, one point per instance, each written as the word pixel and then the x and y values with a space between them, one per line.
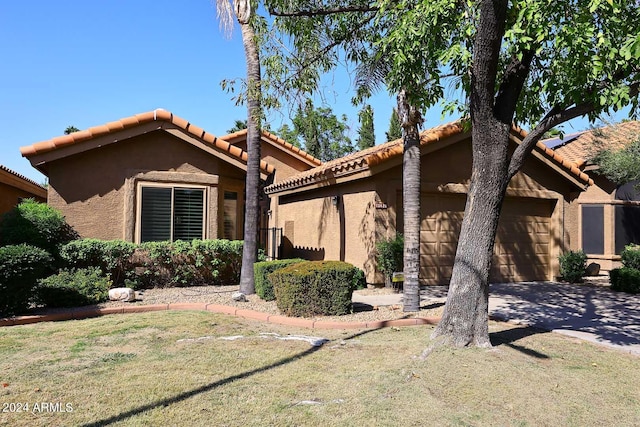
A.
pixel 15 187
pixel 339 210
pixel 155 176
pixel 606 216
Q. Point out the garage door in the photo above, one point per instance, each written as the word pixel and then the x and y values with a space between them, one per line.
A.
pixel 522 243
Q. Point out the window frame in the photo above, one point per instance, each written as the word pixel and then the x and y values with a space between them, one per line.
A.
pixel 172 186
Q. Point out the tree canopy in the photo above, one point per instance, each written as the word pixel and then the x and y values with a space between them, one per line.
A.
pixel 322 133
pixel 620 165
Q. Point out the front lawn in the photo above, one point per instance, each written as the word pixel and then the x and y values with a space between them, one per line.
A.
pixel 177 368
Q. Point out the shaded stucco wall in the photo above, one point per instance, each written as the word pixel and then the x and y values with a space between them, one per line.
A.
pixel 96 190
pixel 336 223
pixel 10 197
pixel 601 193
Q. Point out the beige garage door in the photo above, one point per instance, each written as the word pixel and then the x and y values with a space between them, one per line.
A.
pixel 522 243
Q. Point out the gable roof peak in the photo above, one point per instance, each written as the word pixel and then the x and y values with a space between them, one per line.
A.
pixel 157 115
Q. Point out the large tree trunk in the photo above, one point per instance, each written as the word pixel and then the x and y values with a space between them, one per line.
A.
pixel 252 207
pixel 410 119
pixel 466 315
pixel 465 318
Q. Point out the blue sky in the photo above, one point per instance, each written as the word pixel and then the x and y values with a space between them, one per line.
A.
pixel 85 63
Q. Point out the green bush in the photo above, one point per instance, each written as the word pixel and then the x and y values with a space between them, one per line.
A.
pixel 573 266
pixel 631 256
pixel 261 271
pixel 625 279
pixel 73 288
pixel 112 257
pixel 389 256
pixel 313 288
pixel 20 268
pixel 198 262
pixel 36 224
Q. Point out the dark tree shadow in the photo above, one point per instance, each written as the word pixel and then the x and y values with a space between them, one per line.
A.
pixel 509 336
pixel 212 386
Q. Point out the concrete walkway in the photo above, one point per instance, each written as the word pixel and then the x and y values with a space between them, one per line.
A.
pixel 591 313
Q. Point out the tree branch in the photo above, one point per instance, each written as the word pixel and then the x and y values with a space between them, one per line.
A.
pixel 511 86
pixel 556 116
pixel 325 12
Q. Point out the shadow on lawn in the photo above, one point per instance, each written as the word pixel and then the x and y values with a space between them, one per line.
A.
pixel 188 394
pixel 508 336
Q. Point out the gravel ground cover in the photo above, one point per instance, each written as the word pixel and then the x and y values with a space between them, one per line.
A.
pixel 222 295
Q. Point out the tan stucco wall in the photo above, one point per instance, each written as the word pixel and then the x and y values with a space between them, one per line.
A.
pixel 89 188
pixel 315 228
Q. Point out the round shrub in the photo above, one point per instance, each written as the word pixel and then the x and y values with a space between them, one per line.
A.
pixel 625 279
pixel 20 268
pixel 573 266
pixel 36 224
pixel 261 272
pixel 72 288
pixel 314 288
pixel 631 256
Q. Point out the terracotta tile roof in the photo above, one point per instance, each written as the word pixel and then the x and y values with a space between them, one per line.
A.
pixel 22 177
pixel 242 135
pixel 15 180
pixel 581 149
pixel 363 160
pixel 132 121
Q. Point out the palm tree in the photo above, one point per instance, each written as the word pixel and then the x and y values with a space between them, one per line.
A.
pixel 410 120
pixel 243 12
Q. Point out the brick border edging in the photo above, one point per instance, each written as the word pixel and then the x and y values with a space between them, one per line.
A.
pixel 78 314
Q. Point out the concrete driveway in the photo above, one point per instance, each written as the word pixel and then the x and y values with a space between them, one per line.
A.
pixel 592 313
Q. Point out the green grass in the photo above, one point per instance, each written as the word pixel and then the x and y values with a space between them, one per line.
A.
pixel 132 370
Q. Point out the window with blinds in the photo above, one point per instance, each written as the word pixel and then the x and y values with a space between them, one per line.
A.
pixel 171 213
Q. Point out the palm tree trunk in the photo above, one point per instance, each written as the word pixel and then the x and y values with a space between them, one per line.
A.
pixel 410 119
pixel 252 208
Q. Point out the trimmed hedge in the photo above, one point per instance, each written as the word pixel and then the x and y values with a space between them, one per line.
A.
pixel 198 262
pixel 73 288
pixel 573 266
pixel 20 268
pixel 261 272
pixel 625 279
pixel 314 288
pixel 631 256
pixel 158 264
pixel 112 257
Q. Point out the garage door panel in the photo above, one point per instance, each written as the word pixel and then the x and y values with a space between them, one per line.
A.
pixel 522 240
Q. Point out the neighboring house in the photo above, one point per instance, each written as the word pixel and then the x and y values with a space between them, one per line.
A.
pixel 15 187
pixel 341 209
pixel 154 176
pixel 606 216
